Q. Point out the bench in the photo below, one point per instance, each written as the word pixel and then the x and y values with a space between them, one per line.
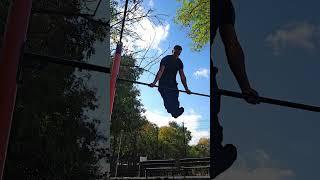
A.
pixel 157 167
pixel 195 166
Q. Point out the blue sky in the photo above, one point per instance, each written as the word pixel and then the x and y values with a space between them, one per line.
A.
pixel 196 67
pixel 281 41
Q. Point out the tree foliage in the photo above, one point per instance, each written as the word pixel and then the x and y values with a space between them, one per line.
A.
pixel 174 140
pixel 194 15
pixel 127 119
pixel 53 136
pixel 201 149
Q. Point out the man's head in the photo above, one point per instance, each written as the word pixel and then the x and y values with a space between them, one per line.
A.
pixel 176 50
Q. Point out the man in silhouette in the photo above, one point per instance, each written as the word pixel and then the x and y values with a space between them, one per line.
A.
pixel 170 65
pixel 223 18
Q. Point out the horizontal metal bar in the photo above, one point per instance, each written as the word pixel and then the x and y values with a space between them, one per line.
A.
pixel 272 101
pixel 66 62
pixel 239 95
pixel 137 82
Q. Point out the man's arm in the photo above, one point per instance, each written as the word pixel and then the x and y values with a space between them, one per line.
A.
pixel 158 76
pixel 184 81
pixel 236 62
pixel 234 54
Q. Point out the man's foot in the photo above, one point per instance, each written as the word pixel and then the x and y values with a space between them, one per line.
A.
pixel 178 112
pixel 224 159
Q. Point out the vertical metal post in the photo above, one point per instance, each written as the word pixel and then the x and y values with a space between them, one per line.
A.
pixel 14 39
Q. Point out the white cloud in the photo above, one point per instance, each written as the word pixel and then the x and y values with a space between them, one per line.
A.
pixel 146 32
pixel 202 72
pixel 191 119
pixel 254 174
pixel 151 3
pixel 262 157
pixel 196 135
pixel 300 35
pixel 263 171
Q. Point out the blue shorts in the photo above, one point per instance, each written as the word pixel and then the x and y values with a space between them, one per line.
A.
pixel 170 97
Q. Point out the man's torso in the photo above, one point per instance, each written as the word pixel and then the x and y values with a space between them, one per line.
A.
pixel 171 69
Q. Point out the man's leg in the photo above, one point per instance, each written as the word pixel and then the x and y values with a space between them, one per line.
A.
pixel 216 135
pixel 170 100
pixel 164 97
pixel 222 157
pixel 173 101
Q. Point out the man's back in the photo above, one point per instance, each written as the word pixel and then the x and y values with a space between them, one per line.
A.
pixel 171 69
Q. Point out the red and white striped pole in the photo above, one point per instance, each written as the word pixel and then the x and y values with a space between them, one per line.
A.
pixel 14 39
pixel 116 61
pixel 114 74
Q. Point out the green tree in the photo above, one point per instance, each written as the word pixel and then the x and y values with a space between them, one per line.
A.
pixel 127 114
pixel 194 15
pixel 173 140
pixel 149 143
pixel 52 135
pixel 201 149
